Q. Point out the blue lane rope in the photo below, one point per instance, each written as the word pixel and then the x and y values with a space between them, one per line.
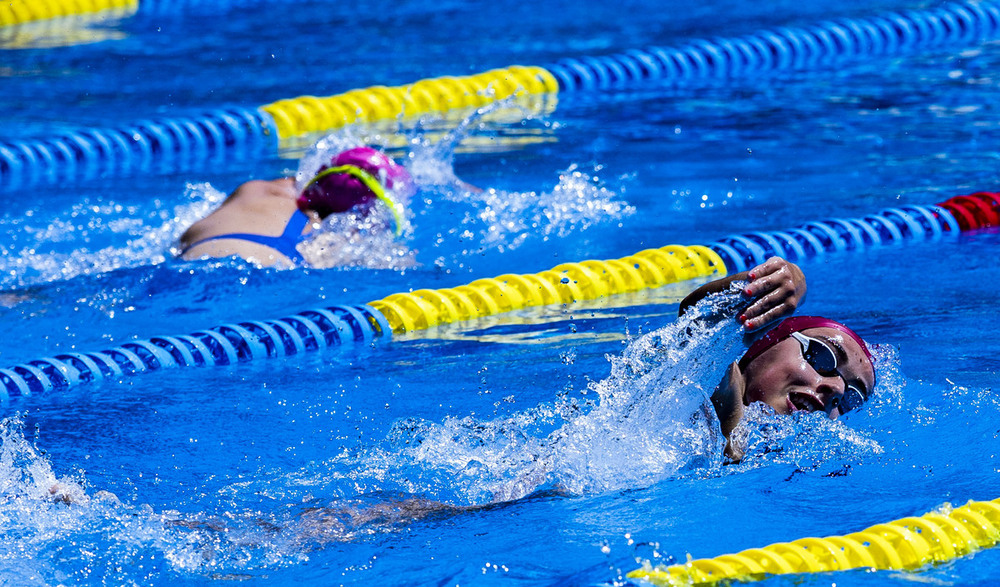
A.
pixel 172 7
pixel 818 46
pixel 892 226
pixel 228 344
pixel 174 143
pixel 316 329
pixel 188 143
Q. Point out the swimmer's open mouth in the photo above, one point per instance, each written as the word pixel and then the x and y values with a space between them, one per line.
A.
pixel 805 402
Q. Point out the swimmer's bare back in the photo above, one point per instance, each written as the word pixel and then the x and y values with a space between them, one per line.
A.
pixel 256 207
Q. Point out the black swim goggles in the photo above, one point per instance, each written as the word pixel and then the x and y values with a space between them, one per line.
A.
pixel 823 359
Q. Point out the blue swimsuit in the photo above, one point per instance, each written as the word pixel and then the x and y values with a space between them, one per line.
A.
pixel 284 244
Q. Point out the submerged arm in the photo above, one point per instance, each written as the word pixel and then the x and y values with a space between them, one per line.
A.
pixel 776 286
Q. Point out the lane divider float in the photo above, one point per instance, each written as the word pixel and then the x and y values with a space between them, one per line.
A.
pixel 570 282
pixel 821 45
pixel 227 344
pixel 168 143
pixel 908 543
pixel 225 134
pixel 14 12
pixel 814 239
pixel 174 143
pixel 564 284
pixel 979 210
pixel 309 114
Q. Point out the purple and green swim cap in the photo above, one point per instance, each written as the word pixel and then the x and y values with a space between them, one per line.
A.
pixel 358 176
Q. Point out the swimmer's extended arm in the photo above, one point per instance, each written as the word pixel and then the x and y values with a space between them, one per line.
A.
pixel 776 286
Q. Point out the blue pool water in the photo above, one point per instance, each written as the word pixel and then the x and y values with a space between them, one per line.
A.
pixel 251 472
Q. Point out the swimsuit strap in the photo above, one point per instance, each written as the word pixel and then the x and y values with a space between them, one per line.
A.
pixel 284 243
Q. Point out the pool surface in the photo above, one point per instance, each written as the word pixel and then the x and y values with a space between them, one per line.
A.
pixel 570 444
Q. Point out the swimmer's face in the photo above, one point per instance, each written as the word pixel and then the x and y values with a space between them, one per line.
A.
pixel 783 379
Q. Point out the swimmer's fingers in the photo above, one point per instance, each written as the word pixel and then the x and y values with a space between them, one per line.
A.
pixel 773 274
pixel 776 313
pixel 770 307
pixel 778 286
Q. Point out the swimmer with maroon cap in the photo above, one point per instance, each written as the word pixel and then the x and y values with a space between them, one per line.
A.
pixel 803 363
pixel 265 221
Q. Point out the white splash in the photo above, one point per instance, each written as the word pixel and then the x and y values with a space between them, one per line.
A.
pixel 505 219
pixel 57 531
pixel 55 246
pixel 487 218
pixel 652 419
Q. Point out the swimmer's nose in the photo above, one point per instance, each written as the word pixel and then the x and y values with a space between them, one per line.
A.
pixel 831 391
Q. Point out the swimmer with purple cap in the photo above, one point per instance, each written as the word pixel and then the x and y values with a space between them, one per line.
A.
pixel 804 363
pixel 265 221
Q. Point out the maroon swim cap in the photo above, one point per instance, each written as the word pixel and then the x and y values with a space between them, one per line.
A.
pixel 796 324
pixel 339 192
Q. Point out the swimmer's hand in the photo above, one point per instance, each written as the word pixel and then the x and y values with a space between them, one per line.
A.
pixel 777 288
pixel 727 399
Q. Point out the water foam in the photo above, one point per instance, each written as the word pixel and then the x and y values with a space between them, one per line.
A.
pixel 503 219
pixel 652 420
pixel 487 218
pixel 50 524
pixel 92 238
pixel 58 531
pixel 57 246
